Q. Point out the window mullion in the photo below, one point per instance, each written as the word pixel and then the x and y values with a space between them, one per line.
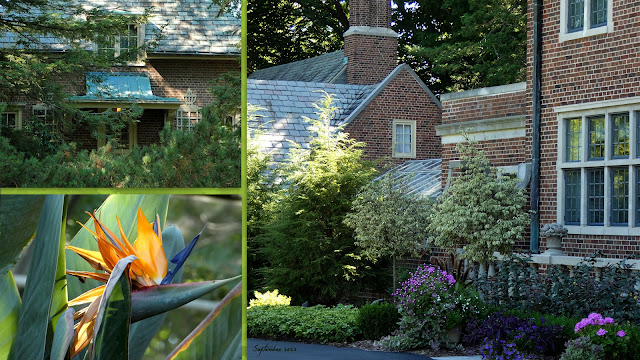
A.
pixel 587 15
pixel 632 196
pixel 584 197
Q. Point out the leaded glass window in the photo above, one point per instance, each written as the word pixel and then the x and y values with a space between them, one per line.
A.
pixel 596 137
pixel 576 15
pixel 620 135
pixel 574 139
pixel 572 197
pixel 620 196
pixel 595 194
pixel 598 13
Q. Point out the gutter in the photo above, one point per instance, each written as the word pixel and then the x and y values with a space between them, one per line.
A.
pixel 534 245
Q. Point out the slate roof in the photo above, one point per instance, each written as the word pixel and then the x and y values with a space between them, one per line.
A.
pixel 281 106
pixel 326 68
pixel 185 26
pixel 424 177
pixel 120 86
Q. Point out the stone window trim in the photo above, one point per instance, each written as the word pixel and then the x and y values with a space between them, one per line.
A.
pixel 141 30
pixel 587 29
pixel 609 164
pixel 412 125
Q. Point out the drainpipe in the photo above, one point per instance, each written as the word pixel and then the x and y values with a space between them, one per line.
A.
pixel 535 126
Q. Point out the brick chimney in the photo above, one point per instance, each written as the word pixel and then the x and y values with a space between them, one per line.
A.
pixel 369 44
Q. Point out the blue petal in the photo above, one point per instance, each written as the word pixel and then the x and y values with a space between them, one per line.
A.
pixel 179 259
pixel 156 225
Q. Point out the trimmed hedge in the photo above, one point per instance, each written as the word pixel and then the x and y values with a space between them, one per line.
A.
pixel 320 323
pixel 378 320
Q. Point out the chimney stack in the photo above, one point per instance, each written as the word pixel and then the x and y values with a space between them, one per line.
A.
pixel 370 44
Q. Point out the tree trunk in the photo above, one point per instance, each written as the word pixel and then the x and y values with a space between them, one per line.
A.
pixel 395 276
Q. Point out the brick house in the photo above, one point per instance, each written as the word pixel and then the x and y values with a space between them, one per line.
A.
pixel 169 82
pixel 379 102
pixel 588 132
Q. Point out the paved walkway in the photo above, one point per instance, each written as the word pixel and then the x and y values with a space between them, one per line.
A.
pixel 258 349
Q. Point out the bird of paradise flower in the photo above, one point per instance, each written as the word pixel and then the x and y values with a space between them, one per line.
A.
pixel 149 268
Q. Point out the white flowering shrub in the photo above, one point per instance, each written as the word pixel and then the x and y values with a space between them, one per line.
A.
pixel 482 212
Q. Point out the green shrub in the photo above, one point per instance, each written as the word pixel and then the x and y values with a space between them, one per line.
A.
pixel 336 324
pixel 582 349
pixel 377 320
pixel 519 286
pixel 269 298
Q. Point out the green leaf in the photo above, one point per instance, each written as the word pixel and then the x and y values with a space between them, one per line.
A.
pixel 63 335
pixel 155 300
pixel 126 207
pixel 142 332
pixel 18 221
pixel 219 336
pixel 9 313
pixel 111 332
pixel 34 314
pixel 60 299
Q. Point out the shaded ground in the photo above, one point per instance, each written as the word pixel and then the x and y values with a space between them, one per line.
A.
pixel 258 349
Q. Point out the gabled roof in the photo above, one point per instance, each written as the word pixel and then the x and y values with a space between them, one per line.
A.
pixel 183 26
pixel 424 177
pixel 281 106
pixel 326 68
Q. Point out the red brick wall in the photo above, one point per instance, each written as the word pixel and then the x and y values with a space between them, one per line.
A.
pixel 370 58
pixel 484 107
pixel 595 68
pixel 402 99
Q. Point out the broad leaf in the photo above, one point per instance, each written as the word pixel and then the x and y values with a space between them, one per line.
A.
pixel 142 332
pixel 36 303
pixel 18 221
pixel 60 299
pixel 111 332
pixel 219 336
pixel 154 300
pixel 63 335
pixel 126 207
pixel 9 313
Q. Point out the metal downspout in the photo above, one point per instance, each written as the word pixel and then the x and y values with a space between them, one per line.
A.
pixel 535 127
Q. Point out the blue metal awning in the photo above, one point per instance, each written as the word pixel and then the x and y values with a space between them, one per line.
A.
pixel 120 87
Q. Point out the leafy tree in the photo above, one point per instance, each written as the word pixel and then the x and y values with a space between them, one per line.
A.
pixel 283 31
pixel 459 44
pixel 388 221
pixel 310 252
pixel 482 212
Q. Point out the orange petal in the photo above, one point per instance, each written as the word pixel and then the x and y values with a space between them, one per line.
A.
pixel 84 329
pixel 149 248
pixel 139 267
pixel 94 258
pixel 89 275
pixel 88 297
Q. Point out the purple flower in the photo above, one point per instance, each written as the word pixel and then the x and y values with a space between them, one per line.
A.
pixel 621 333
pixel 601 332
pixel 607 320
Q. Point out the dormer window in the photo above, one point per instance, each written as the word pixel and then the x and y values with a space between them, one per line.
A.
pixel 126 45
pixel 581 18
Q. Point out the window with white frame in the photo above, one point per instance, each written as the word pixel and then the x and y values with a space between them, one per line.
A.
pixel 43 114
pixel 580 18
pixel 404 138
pixel 9 120
pixel 126 44
pixel 189 114
pixel 599 170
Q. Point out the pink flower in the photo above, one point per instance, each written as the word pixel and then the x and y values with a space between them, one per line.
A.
pixel 601 332
pixel 621 333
